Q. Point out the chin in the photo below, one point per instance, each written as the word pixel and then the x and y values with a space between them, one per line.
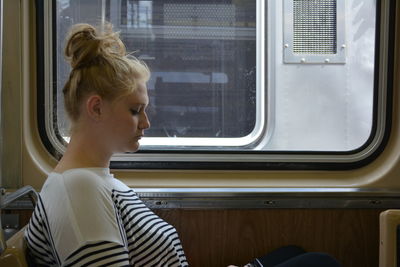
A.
pixel 127 149
pixel 130 147
pixel 133 148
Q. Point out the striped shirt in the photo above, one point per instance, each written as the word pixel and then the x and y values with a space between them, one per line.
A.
pixel 86 217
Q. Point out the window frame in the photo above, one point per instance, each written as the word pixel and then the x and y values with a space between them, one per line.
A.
pixel 231 160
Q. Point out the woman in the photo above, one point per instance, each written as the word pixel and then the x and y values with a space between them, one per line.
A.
pixel 84 216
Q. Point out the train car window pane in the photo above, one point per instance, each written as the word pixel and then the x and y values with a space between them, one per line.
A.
pixel 202 55
pixel 243 75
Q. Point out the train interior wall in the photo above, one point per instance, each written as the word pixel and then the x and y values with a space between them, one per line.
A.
pixel 218 237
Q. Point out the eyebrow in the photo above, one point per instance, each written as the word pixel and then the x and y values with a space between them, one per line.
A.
pixel 140 104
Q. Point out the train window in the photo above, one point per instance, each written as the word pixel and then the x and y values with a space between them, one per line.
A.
pixel 239 81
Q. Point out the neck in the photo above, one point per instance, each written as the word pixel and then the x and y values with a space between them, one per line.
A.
pixel 84 152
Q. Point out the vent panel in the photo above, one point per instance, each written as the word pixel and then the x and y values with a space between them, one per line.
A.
pixel 314 31
pixel 314 27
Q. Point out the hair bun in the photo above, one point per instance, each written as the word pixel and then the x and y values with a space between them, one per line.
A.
pixel 85 44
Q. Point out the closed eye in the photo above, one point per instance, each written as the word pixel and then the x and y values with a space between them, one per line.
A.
pixel 135 111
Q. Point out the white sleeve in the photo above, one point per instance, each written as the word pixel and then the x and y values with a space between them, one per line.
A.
pixel 83 220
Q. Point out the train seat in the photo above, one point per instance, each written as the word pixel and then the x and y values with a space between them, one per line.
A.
pixel 13 251
pixel 389 236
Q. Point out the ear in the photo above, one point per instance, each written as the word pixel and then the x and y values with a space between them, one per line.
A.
pixel 94 107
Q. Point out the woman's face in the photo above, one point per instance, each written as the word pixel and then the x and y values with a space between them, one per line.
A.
pixel 127 121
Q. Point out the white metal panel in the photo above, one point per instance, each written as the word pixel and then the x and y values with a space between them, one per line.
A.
pixel 334 102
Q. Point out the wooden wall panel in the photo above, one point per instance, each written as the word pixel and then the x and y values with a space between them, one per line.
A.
pixel 215 238
pixel 222 237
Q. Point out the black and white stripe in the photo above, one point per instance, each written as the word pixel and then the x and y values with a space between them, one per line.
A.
pixel 39 240
pixel 103 253
pixel 147 239
pixel 151 241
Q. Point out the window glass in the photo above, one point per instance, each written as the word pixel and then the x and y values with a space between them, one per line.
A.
pixel 202 55
pixel 247 75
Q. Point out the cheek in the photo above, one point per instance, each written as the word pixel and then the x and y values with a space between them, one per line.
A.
pixel 123 125
pixel 134 121
pixel 129 124
pixel 118 127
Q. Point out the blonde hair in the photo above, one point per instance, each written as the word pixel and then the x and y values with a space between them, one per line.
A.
pixel 100 65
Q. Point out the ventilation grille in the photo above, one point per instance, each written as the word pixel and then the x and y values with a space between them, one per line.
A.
pixel 314 27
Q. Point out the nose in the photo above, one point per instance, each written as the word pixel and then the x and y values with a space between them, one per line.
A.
pixel 144 122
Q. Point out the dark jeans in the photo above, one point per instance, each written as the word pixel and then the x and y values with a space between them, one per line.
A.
pixel 293 256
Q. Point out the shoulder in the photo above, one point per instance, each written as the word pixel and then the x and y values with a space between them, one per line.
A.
pixel 78 177
pixel 74 190
pixel 117 185
pixel 83 182
pixel 93 178
pixel 73 178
